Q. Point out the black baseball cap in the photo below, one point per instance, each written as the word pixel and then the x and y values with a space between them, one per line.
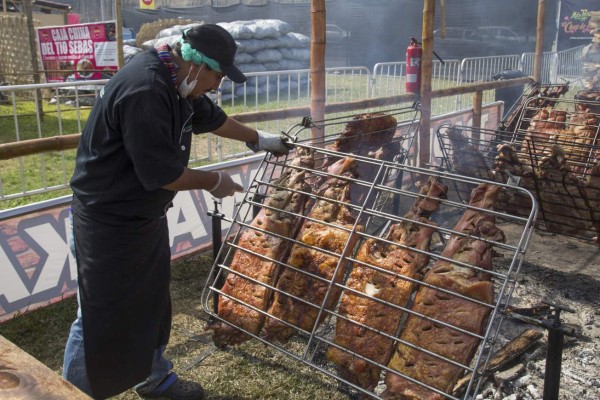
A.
pixel 215 42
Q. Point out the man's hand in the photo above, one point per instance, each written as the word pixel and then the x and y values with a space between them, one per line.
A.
pixel 274 144
pixel 225 186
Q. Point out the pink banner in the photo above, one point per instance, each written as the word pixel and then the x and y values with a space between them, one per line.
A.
pixel 78 52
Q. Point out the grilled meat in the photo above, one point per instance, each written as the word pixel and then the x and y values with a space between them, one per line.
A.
pixel 302 289
pixel 262 247
pixel 467 161
pixel 546 127
pixel 361 309
pixel 509 164
pixel 539 97
pixel 367 135
pixel 474 250
pixel 562 195
pixel 592 190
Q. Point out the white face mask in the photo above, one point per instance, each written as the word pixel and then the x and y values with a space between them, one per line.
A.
pixel 186 88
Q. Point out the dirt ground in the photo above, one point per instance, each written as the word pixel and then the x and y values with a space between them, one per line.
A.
pixel 564 271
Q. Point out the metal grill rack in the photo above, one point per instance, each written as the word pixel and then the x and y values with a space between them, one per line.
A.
pixel 370 219
pixel 556 157
pixel 537 95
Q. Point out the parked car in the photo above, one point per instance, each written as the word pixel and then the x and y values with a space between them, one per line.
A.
pixel 335 34
pixel 520 43
pixel 462 43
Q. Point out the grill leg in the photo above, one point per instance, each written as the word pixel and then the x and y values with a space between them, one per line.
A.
pixel 216 217
pixel 553 364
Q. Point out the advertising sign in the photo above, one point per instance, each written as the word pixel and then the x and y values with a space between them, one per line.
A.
pixel 148 4
pixel 78 52
pixel 574 23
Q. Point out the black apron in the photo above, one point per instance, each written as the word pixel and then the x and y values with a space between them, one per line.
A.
pixel 123 266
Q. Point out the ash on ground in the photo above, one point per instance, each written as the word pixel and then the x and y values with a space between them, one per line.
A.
pixel 564 271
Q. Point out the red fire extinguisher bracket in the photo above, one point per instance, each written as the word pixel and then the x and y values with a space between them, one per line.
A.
pixel 414 53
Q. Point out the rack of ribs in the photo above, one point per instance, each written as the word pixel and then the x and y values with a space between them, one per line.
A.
pixel 367 135
pixel 310 284
pixel 262 246
pixel 440 306
pixel 360 311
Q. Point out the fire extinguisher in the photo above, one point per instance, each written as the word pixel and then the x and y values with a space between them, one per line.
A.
pixel 413 66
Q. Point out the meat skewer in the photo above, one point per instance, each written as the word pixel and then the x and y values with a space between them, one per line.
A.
pixel 390 287
pixel 287 197
pixel 328 229
pixel 475 250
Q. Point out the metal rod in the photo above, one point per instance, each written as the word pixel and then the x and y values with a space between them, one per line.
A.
pixel 553 363
pixel 216 217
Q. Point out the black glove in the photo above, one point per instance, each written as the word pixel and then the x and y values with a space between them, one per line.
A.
pixel 274 144
pixel 225 186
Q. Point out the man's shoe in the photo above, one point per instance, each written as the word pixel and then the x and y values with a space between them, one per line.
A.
pixel 178 390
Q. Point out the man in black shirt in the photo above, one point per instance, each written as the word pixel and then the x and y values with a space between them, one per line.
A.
pixel 131 161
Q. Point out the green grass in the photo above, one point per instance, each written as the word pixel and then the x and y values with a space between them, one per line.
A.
pixel 31 173
pixel 247 372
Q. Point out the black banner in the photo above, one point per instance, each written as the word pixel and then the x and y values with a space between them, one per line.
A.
pixel 574 23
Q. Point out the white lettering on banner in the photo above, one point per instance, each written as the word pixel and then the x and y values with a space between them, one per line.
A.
pixel 11 284
pixel 47 49
pixel 57 250
pixel 184 218
pixel 59 34
pixel 61 48
pixel 79 32
pixel 81 47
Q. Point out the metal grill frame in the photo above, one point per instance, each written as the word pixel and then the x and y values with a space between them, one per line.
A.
pixel 308 347
pixel 529 151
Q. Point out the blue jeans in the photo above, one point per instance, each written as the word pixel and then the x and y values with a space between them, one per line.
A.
pixel 74 369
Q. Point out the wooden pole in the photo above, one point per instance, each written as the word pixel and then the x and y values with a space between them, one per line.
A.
pixel 317 66
pixel 477 106
pixel 4 7
pixel 35 146
pixel 34 51
pixel 119 28
pixel 539 41
pixel 424 141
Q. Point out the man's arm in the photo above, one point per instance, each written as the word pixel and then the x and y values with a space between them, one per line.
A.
pixel 219 184
pixel 256 140
pixel 192 179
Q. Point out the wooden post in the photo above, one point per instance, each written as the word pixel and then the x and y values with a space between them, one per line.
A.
pixel 4 7
pixel 424 141
pixel 477 106
pixel 539 41
pixel 317 66
pixel 34 58
pixel 119 28
pixel 24 377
